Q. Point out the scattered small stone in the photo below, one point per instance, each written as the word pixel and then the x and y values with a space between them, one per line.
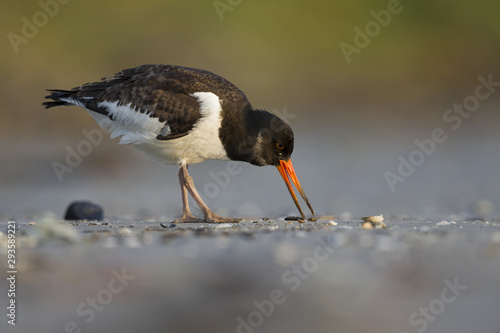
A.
pixel 50 229
pixel 32 223
pixel 367 225
pixel 442 223
pixel 124 232
pixel 312 219
pixel 265 219
pixel 84 210
pixel 348 227
pixel 332 223
pixel 301 221
pixel 371 222
pixel 171 225
pixel 220 226
pixel 373 219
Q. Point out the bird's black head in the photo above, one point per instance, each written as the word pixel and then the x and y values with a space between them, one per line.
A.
pixel 274 140
pixel 274 146
pixel 261 138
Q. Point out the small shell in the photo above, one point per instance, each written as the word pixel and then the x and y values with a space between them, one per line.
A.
pixel 367 225
pixel 374 219
pixel 371 222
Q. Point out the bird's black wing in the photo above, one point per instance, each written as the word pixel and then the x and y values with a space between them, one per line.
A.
pixel 161 91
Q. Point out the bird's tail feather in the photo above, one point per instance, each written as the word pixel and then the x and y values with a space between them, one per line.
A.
pixel 55 97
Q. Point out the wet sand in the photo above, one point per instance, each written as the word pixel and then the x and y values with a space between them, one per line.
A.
pixel 131 274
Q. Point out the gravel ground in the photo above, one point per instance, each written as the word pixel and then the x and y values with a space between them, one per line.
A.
pixel 131 274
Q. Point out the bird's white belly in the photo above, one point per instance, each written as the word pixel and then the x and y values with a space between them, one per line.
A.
pixel 189 149
pixel 202 143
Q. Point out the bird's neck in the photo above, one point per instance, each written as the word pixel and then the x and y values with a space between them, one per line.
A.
pixel 239 132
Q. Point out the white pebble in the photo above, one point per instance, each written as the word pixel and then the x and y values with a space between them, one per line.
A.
pixel 124 232
pixel 443 223
pixel 220 226
pixel 374 219
pixel 50 228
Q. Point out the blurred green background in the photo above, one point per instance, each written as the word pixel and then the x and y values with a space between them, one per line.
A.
pixel 352 119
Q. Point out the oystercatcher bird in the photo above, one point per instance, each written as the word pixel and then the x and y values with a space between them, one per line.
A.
pixel 182 116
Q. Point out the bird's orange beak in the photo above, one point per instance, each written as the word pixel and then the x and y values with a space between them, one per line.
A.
pixel 286 171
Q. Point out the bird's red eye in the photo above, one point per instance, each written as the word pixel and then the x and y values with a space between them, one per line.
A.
pixel 280 145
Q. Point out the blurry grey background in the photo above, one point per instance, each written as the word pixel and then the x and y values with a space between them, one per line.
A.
pixel 352 120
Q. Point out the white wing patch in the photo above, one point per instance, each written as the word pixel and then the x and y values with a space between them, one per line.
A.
pixel 128 122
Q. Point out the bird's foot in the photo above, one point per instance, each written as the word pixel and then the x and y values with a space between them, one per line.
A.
pixel 211 217
pixel 189 218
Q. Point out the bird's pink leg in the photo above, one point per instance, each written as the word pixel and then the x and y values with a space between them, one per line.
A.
pixel 187 216
pixel 187 183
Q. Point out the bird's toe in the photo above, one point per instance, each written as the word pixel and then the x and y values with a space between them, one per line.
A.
pixel 214 218
pixel 189 218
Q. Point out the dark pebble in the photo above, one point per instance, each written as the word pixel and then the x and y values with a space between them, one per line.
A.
pixel 313 219
pixel 84 210
pixel 293 218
